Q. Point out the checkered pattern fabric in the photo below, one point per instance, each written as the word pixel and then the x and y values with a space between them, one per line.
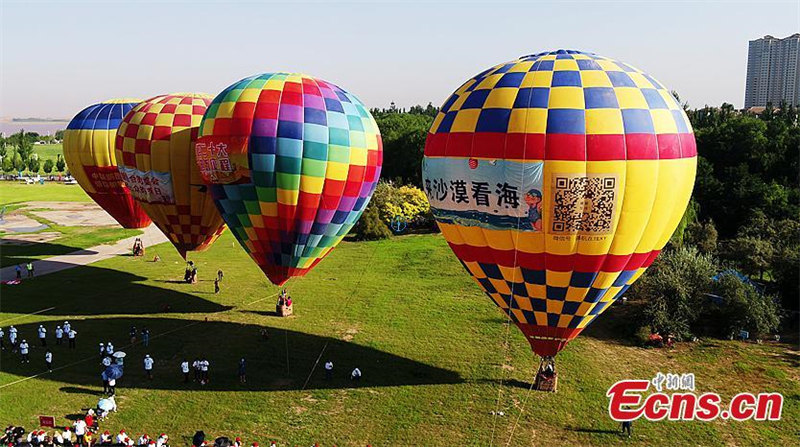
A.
pixel 577 114
pixel 314 154
pixel 89 153
pixel 158 135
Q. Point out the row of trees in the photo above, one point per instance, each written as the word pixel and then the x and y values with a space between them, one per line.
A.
pixel 17 154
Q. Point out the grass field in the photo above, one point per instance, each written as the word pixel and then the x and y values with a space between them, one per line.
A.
pixel 436 355
pixel 12 192
pixel 13 195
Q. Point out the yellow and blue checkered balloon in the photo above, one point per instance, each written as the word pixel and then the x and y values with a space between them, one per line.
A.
pixel 557 178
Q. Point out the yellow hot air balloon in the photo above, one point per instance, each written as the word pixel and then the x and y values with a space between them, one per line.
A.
pixel 155 149
pixel 89 152
pixel 556 179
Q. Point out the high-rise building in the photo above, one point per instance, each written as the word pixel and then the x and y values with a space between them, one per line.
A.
pixel 773 72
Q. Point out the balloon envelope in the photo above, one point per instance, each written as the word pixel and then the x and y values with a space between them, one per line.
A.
pixel 155 150
pixel 556 179
pixel 292 162
pixel 89 152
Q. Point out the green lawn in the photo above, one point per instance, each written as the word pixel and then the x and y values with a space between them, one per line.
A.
pixel 436 355
pixel 12 192
pixel 14 195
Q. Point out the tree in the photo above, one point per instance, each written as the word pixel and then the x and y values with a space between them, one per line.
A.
pixel 48 166
pixel 8 164
pixel 24 145
pixel 60 135
pixel 19 164
pixel 744 307
pixel 33 164
pixel 674 288
pixel 703 236
pixel 60 163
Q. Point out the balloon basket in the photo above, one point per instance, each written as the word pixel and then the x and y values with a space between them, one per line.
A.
pixel 546 377
pixel 547 384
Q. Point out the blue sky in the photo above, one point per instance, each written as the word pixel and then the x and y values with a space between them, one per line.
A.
pixel 59 56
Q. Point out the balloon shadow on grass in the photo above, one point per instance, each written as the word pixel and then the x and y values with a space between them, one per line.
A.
pixel 22 253
pixel 90 290
pixel 285 360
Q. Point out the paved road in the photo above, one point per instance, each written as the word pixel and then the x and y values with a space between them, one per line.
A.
pixel 151 236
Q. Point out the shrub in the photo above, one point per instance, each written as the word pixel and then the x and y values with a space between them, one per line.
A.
pixel 744 307
pixel 370 227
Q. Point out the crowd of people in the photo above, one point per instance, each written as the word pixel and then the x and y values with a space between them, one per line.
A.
pixel 86 433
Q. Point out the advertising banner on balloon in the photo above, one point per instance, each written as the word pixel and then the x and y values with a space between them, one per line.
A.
pixel 223 159
pixel 496 194
pixel 105 179
pixel 149 187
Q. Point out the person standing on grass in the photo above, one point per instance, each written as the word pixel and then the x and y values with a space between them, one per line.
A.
pixel 59 335
pixel 67 327
pixel 112 387
pixel 216 286
pixel 204 365
pixel 148 366
pixel 12 338
pixel 80 431
pixel 102 350
pixel 48 360
pixel 196 366
pixel 328 370
pixel 242 371
pixel 66 435
pixel 132 334
pixel 109 348
pixel 23 351
pixel 185 370
pixel 71 337
pixel 2 340
pixel 355 375
pixel 18 269
pixel 219 275
pixel 29 267
pixel 145 336
pixel 627 427
pixel 42 335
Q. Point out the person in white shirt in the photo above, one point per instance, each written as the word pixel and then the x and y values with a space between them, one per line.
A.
pixel 328 370
pixel 105 438
pixel 112 387
pixel 197 369
pixel 204 365
pixel 185 370
pixel 80 431
pixel 23 351
pixel 12 337
pixel 143 440
pixel 162 440
pixel 102 349
pixel 71 334
pixel 67 327
pixel 59 335
pixel 48 360
pixel 121 437
pixel 109 348
pixel 42 335
pixel 355 375
pixel 59 440
pixel 67 435
pixel 148 366
pixel 40 436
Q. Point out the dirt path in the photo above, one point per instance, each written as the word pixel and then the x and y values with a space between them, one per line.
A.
pixel 151 236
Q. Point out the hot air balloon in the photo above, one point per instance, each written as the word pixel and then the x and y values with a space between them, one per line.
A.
pixel 155 149
pixel 292 162
pixel 556 179
pixel 89 152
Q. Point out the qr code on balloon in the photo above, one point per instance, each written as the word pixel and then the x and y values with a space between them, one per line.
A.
pixel 584 204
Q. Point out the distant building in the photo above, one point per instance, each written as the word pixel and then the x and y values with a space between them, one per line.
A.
pixel 773 72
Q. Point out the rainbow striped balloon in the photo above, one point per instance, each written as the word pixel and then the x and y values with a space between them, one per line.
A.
pixel 291 162
pixel 556 179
